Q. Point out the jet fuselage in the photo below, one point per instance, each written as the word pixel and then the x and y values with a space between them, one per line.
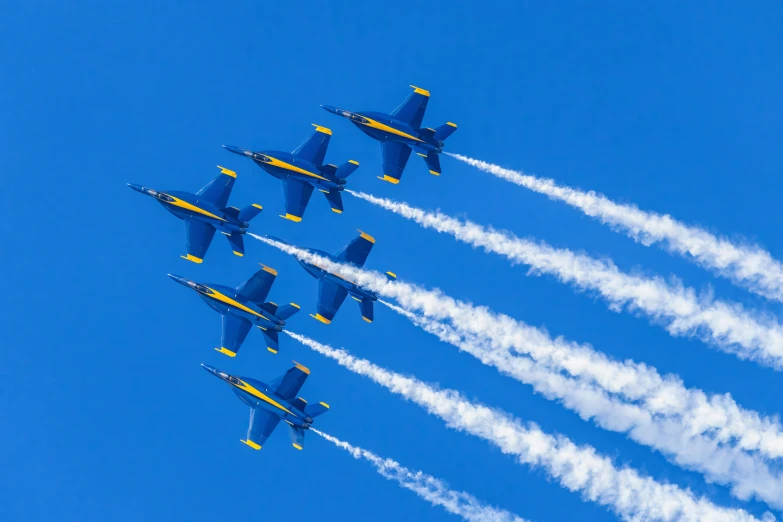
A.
pixel 319 272
pixel 284 164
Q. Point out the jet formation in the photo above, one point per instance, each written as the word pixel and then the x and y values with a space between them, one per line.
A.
pixel 245 306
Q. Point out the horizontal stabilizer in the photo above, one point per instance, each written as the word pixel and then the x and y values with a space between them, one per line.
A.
pixel 346 169
pixel 237 243
pixel 444 131
pixel 272 340
pixel 299 403
pixel 314 410
pixel 391 276
pixel 335 200
pixel 248 213
pixel 287 310
pixel 231 211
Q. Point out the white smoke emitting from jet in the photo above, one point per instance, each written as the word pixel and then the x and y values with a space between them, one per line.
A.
pixel 697 430
pixel 431 489
pixel 578 468
pixel 749 266
pixel 725 325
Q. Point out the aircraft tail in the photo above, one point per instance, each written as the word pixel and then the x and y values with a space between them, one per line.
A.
pixel 335 200
pixel 237 243
pixel 391 276
pixel 433 163
pixel 366 308
pixel 248 213
pixel 444 131
pixel 314 410
pixel 286 311
pixel 272 340
pixel 346 169
pixel 297 437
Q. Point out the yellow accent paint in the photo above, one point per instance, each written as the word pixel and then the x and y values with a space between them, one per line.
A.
pixel 337 211
pixel 224 170
pixel 303 368
pixel 301 399
pixel 254 392
pixel 368 320
pixel 295 219
pixel 353 161
pixel 268 269
pixel 356 298
pixel 322 129
pixel 392 274
pixel 295 305
pixel 366 236
pixel 192 258
pixel 324 191
pixel 193 208
pixel 422 155
pixel 287 166
pixel 259 207
pixel 389 179
pixel 297 446
pixel 382 126
pixel 226 351
pixel 270 302
pixel 323 404
pixel 271 349
pixel 240 254
pixel 452 124
pixel 420 91
pixel 251 444
pixel 434 173
pixel 320 318
pixel 225 299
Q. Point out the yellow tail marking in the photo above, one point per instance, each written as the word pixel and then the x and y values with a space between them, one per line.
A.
pixel 322 129
pixel 389 179
pixel 268 269
pixel 422 155
pixel 295 305
pixel 192 258
pixel 452 124
pixel 392 274
pixel 224 170
pixel 295 219
pixel 420 91
pixel 305 369
pixel 251 444
pixel 368 320
pixel 434 173
pixel 323 404
pixel 353 161
pixel 271 349
pixel 259 207
pixel 226 351
pixel 240 254
pixel 297 446
pixel 356 298
pixel 366 236
pixel 321 318
pixel 336 211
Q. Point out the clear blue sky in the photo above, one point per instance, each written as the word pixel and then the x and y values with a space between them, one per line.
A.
pixel 106 414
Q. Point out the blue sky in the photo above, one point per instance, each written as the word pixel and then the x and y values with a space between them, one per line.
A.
pixel 107 415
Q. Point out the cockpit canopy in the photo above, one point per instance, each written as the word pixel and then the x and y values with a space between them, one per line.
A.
pixel 160 195
pixel 261 157
pixel 201 288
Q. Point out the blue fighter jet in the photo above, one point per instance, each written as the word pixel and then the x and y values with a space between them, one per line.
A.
pixel 303 170
pixel 243 307
pixel 400 132
pixel 333 288
pixel 206 211
pixel 270 403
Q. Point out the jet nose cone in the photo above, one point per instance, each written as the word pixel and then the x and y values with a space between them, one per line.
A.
pixel 237 150
pixel 137 188
pixel 210 369
pixel 332 109
pixel 179 279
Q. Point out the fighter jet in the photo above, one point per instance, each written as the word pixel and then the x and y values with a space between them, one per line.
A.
pixel 333 288
pixel 400 132
pixel 206 211
pixel 302 170
pixel 270 403
pixel 244 307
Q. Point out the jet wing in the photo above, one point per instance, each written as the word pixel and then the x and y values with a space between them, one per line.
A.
pixel 314 147
pixel 235 331
pixel 395 157
pixel 297 195
pixel 262 424
pixel 199 237
pixel 218 190
pixel 411 111
pixel 289 384
pixel 257 287
pixel 330 297
pixel 356 251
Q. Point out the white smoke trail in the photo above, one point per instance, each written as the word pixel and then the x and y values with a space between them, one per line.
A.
pixel 748 474
pixel 749 266
pixel 710 434
pixel 581 469
pixel 431 489
pixel 727 326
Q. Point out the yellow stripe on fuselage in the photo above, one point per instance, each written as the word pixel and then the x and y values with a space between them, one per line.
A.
pixel 287 166
pixel 255 393
pixel 380 126
pixel 335 274
pixel 193 208
pixel 225 299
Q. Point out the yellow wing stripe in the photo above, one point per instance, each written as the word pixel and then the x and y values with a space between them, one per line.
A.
pixel 353 161
pixel 226 351
pixel 193 258
pixel 225 299
pixel 251 444
pixel 389 179
pixel 295 219
pixel 320 318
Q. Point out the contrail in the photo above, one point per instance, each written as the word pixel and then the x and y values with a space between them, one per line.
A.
pixel 431 489
pixel 630 495
pixel 749 266
pixel 656 410
pixel 725 325
pixel 675 437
